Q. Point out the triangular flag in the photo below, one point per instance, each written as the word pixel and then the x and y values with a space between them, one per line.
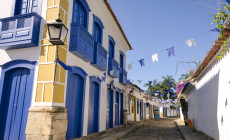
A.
pixel 155 57
pixel 215 30
pixel 139 81
pixel 150 82
pixel 104 73
pixel 171 51
pixel 142 62
pixel 190 42
pixel 130 66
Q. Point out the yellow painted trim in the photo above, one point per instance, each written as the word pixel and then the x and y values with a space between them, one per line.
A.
pixel 51 53
pixel 39 93
pixel 58 94
pixel 46 72
pixel 43 54
pixel 48 92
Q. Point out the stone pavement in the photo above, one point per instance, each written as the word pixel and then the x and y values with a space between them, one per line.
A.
pixel 163 129
pixel 187 133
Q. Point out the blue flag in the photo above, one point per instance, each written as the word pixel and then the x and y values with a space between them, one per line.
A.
pixel 150 82
pixel 215 30
pixel 142 62
pixel 171 51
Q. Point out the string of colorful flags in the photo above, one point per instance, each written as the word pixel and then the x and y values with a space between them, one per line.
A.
pixel 170 51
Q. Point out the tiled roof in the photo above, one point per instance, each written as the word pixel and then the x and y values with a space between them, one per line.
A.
pixel 116 20
pixel 211 54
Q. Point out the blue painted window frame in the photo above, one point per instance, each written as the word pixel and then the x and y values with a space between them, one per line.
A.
pixel 123 56
pixel 79 71
pixel 93 79
pixel 97 22
pixel 30 7
pixel 84 5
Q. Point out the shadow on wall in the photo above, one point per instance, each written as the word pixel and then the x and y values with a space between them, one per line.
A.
pixel 202 107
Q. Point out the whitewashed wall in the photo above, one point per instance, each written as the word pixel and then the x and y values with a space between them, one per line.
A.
pixel 209 99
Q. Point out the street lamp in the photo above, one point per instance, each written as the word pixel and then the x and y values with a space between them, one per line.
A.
pixel 57 32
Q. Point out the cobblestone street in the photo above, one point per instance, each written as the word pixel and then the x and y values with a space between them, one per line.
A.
pixel 163 129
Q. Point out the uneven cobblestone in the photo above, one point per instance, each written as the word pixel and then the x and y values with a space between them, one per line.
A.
pixel 163 129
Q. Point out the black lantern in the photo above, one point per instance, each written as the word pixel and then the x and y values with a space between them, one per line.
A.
pixel 57 32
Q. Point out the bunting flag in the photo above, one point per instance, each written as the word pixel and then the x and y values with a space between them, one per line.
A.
pixel 104 73
pixel 171 51
pixel 155 57
pixel 190 42
pixel 139 81
pixel 130 66
pixel 150 82
pixel 170 83
pixel 127 81
pixel 142 62
pixel 215 30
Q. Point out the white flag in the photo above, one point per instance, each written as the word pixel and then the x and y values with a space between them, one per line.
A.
pixel 155 57
pixel 130 66
pixel 190 42
pixel 193 42
pixel 139 81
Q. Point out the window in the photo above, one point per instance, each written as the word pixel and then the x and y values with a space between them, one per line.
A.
pixel 25 6
pixel 97 29
pixel 80 13
pixel 121 59
pixel 111 47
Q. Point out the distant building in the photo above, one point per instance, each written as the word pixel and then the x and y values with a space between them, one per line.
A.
pixel 39 99
pixel 140 107
pixel 208 96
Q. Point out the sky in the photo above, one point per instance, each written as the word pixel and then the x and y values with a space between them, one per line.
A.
pixel 152 26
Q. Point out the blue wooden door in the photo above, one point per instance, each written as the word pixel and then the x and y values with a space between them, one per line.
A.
pixel 109 122
pixel 75 106
pixel 93 114
pixel 15 103
pixel 117 110
pixel 121 110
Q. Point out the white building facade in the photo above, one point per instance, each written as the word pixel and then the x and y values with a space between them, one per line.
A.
pixel 208 96
pixel 82 93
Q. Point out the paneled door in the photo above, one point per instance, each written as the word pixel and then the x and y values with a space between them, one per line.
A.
pixel 75 106
pixel 15 103
pixel 93 108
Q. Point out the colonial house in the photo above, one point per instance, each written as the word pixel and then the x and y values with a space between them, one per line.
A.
pixel 63 91
pixel 139 105
pixel 208 95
